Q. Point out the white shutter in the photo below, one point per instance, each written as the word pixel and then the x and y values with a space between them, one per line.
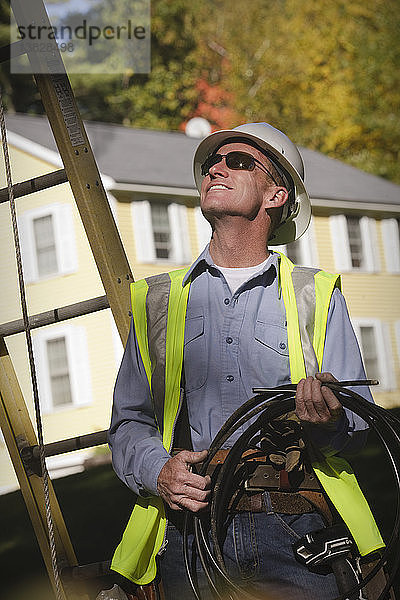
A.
pixel 28 249
pixel 391 245
pixel 340 242
pixel 42 370
pixel 370 244
pixel 203 229
pixel 117 343
pixel 64 233
pixel 178 224
pixel 143 231
pixel 386 358
pixel 113 202
pixel 78 363
pixel 397 331
pixel 308 246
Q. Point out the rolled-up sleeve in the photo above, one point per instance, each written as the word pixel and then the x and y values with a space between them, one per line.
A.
pixel 138 454
pixel 342 358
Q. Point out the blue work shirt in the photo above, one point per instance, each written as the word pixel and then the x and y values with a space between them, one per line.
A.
pixel 233 342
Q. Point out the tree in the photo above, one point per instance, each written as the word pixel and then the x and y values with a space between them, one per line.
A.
pixel 326 72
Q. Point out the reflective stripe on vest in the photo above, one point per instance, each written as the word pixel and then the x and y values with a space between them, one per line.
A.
pixel 302 288
pixel 159 309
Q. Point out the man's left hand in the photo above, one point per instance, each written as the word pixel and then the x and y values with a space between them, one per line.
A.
pixel 317 404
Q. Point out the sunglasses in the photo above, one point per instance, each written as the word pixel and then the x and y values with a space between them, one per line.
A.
pixel 237 161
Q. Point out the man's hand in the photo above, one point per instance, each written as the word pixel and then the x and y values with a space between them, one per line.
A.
pixel 315 403
pixel 180 488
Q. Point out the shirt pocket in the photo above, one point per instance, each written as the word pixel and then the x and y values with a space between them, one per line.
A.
pixel 195 354
pixel 269 336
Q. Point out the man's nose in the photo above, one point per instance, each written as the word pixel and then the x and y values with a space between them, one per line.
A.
pixel 219 168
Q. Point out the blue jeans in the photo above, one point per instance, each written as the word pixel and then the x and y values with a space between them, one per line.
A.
pixel 258 555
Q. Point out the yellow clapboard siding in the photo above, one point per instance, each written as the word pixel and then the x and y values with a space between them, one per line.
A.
pixel 368 296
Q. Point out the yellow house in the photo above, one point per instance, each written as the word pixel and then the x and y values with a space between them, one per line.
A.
pixel 148 176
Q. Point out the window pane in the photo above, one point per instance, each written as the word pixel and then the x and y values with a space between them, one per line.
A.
pixel 45 245
pixel 355 242
pixel 161 229
pixel 59 372
pixel 370 355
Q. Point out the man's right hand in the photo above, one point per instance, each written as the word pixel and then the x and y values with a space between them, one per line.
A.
pixel 179 487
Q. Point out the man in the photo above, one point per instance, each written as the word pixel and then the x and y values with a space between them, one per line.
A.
pixel 235 337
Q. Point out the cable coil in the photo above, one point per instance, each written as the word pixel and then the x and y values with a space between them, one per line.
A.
pixel 261 409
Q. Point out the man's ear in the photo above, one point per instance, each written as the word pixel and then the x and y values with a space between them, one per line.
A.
pixel 276 197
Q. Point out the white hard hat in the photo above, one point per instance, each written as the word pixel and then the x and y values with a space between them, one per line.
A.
pixel 288 162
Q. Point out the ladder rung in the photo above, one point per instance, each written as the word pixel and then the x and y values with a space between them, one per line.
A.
pixel 84 572
pixel 89 440
pixel 54 316
pixel 35 184
pixel 14 49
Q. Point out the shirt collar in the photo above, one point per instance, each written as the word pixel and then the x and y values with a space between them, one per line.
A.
pixel 205 259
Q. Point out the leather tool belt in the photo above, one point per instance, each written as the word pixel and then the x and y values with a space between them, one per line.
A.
pixel 263 476
pixel 285 498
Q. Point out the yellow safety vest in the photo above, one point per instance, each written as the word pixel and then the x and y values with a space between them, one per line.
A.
pixel 306 295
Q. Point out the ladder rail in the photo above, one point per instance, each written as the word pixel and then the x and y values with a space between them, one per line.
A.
pixel 81 170
pixel 18 432
pixel 80 166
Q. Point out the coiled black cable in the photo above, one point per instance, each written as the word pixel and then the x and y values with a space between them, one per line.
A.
pixel 263 408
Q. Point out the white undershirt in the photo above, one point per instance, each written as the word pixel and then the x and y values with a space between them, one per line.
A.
pixel 235 276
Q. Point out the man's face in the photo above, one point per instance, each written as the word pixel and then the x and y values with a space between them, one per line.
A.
pixel 232 192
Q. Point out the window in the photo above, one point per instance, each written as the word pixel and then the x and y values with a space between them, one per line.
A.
pixel 369 351
pixel 303 251
pixel 45 245
pixel 48 242
pixel 60 384
pixel 161 231
pixel 374 340
pixel 355 243
pixel 391 244
pixel 62 367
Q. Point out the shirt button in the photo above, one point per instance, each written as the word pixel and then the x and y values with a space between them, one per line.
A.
pixel 230 378
pixel 282 345
pixel 226 301
pixel 229 340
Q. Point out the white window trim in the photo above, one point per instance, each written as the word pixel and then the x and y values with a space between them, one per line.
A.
pixel 391 244
pixel 341 246
pixel 78 365
pixel 144 238
pixel 64 237
pixel 383 347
